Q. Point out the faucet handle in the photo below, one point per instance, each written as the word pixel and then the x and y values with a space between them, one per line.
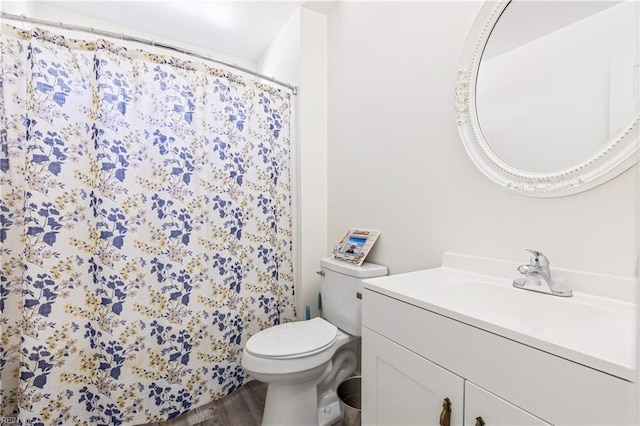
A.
pixel 538 259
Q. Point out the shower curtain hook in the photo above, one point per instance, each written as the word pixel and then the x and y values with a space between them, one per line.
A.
pixel 60 41
pixel 184 63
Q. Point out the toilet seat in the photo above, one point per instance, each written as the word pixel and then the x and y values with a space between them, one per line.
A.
pixel 293 340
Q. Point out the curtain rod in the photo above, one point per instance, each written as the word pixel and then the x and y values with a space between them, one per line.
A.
pixel 126 37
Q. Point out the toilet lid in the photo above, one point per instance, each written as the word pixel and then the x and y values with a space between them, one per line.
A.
pixel 293 339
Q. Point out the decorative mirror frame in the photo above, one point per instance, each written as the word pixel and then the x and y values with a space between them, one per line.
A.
pixel 620 152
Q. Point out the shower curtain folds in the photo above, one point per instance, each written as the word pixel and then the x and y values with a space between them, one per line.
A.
pixel 145 224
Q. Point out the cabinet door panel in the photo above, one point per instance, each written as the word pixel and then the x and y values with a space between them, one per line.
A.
pixel 402 388
pixel 494 411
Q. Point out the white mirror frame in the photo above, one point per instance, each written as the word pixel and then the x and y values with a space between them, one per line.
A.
pixel 619 153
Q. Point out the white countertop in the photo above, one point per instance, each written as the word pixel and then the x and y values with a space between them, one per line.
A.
pixel 591 330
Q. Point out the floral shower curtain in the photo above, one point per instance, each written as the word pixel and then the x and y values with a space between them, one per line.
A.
pixel 145 224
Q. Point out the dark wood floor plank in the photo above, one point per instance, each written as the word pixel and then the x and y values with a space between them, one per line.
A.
pixel 243 407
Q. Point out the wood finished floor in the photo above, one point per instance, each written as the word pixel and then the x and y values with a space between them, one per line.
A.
pixel 242 408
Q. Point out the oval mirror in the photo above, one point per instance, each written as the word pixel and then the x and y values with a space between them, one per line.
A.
pixel 547 96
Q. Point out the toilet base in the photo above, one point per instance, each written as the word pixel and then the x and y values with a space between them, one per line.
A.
pixel 307 397
pixel 330 413
pixel 344 363
pixel 290 404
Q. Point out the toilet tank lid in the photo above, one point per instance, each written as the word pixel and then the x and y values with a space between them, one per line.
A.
pixel 366 270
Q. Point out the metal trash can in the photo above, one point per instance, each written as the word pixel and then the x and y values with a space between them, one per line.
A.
pixel 349 394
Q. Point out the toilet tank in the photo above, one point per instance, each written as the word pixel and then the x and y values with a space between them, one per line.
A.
pixel 341 289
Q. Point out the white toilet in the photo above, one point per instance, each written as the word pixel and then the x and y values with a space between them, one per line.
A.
pixel 304 362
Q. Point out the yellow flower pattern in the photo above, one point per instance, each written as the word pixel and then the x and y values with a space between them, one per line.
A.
pixel 145 224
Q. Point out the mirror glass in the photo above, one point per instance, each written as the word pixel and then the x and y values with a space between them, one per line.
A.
pixel 557 81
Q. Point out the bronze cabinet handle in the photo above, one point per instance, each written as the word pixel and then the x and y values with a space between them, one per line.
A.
pixel 479 421
pixel 445 415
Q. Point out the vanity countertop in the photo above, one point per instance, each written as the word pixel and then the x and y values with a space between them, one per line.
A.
pixel 592 330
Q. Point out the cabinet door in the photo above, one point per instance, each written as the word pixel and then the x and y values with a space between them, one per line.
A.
pixel 400 387
pixel 494 411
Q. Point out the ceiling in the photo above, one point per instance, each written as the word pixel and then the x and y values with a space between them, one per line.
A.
pixel 238 28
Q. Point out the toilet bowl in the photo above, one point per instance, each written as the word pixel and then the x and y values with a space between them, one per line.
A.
pixel 304 362
pixel 293 359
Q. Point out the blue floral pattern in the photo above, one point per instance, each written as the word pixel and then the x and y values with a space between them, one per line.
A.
pixel 145 224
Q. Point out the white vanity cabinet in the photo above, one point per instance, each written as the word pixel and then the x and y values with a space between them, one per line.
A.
pixel 403 388
pixel 413 358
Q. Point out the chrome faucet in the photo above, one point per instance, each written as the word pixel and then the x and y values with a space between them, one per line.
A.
pixel 537 277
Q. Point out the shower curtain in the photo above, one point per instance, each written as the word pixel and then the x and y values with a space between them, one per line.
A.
pixel 145 224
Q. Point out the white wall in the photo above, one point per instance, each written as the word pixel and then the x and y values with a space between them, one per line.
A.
pixel 396 162
pixel 299 55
